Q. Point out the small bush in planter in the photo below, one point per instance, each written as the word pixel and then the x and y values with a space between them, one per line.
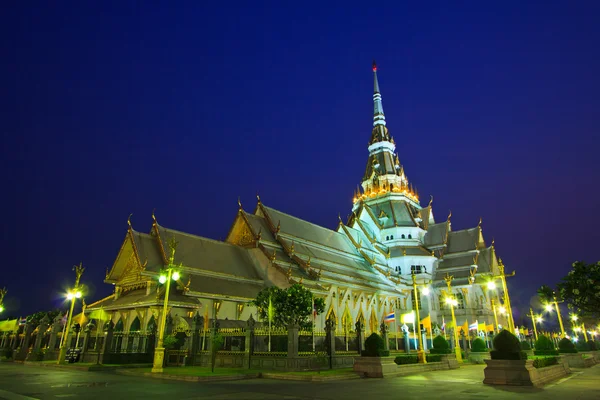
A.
pixel 545 362
pixel 581 346
pixel 374 347
pixel 566 346
pixel 434 357
pixel 478 346
pixel 7 353
pixel 440 346
pixel 402 360
pixel 525 345
pixel 592 345
pixel 507 347
pixel 544 347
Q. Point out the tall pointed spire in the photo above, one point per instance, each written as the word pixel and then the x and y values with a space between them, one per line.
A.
pixel 378 116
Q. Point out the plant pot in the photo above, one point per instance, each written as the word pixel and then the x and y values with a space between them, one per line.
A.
pixel 479 357
pixel 374 367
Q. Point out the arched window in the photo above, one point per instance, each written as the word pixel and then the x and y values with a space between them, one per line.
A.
pixel 391 237
pixel 403 237
pixel 387 238
pixel 409 236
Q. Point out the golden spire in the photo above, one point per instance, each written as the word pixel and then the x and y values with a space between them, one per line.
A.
pixel 258 198
pixel 493 241
pixel 430 200
pixel 449 216
pixel 480 221
pixel 153 216
pixel 278 227
pixel 239 204
pixel 129 221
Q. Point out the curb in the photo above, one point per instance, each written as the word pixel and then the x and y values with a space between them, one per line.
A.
pixel 192 378
pixel 309 378
pixel 92 368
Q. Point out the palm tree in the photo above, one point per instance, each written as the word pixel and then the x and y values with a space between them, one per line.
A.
pixel 546 294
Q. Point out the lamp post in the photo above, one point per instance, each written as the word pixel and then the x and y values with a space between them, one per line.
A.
pixel 560 322
pixel 420 353
pixel 451 301
pixel 574 318
pixel 533 320
pixel 503 276
pixel 73 294
pixel 3 292
pixel 495 317
pixel 159 350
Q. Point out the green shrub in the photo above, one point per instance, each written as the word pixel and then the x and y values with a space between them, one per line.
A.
pixel 525 345
pixel 440 346
pixel 169 341
pixel 374 347
pixel 507 347
pixel 544 347
pixel 566 346
pixel 7 353
pixel 545 362
pixel 581 346
pixel 434 357
pixel 592 345
pixel 408 359
pixel 478 346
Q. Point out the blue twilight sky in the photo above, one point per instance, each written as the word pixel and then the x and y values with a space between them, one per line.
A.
pixel 122 107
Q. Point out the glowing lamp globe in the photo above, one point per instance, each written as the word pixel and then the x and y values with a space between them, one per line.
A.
pixel 502 310
pixel 548 307
pixel 491 285
pixel 425 291
pixel 70 296
pixel 1 308
pixel 175 276
pixel 162 279
pixel 78 294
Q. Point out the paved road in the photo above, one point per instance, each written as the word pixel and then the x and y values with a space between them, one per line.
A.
pixel 21 382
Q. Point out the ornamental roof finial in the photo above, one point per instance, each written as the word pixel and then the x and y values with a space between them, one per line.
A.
pixel 378 116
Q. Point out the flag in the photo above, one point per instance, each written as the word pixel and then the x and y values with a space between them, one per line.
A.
pixel 22 321
pixel 64 319
pixel 490 328
pixel 426 322
pixel 473 326
pixel 481 326
pixel 314 308
pixel 391 317
pixel 465 327
pixel 443 324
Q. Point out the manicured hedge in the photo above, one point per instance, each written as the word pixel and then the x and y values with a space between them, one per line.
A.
pixel 544 347
pixel 440 346
pixel 545 362
pixel 374 347
pixel 478 346
pixel 525 345
pixel 434 357
pixel 412 359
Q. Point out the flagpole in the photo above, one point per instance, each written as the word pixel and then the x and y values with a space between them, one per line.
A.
pixel 269 312
pixel 396 327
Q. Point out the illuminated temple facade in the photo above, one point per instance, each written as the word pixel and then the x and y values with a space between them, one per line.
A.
pixel 362 268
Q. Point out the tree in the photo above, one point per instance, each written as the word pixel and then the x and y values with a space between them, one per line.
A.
pixel 291 306
pixel 580 289
pixel 546 294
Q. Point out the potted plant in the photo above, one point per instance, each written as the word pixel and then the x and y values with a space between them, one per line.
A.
pixel 442 347
pixel 479 351
pixel 374 361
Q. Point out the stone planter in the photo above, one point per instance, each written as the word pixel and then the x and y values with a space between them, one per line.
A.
pixel 478 358
pixel 593 355
pixel 450 359
pixel 374 367
pixel 576 360
pixel 522 373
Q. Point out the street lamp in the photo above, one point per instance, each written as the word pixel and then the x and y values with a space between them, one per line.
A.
pixel 549 308
pixel 452 302
pixel 574 317
pixel 491 285
pixel 502 276
pixel 166 276
pixel 533 320
pixel 72 294
pixel 420 353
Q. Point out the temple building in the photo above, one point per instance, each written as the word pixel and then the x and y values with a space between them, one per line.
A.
pixel 362 268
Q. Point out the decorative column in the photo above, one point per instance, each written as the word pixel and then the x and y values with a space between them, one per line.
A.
pixel 360 333
pixel 106 346
pixel 197 323
pixel 56 327
pixel 24 350
pixel 249 344
pixel 384 334
pixel 330 338
pixel 292 344
pixel 87 332
pixel 42 328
